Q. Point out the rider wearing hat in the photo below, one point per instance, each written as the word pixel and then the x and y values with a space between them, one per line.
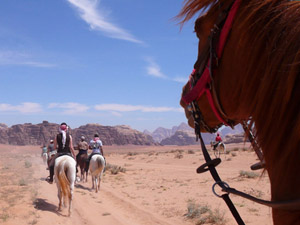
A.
pixel 83 147
pixel 64 145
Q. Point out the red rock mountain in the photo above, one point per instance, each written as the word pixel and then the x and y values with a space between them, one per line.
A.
pixel 39 134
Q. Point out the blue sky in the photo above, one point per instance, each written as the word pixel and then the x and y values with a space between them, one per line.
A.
pixel 111 62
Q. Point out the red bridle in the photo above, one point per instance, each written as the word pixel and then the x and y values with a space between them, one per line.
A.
pixel 204 84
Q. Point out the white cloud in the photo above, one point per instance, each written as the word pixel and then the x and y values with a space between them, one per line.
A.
pixel 153 69
pixel 183 80
pixel 21 58
pixel 131 108
pixel 25 107
pixel 95 18
pixel 70 107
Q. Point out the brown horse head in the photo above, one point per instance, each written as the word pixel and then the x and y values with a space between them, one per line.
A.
pixel 256 78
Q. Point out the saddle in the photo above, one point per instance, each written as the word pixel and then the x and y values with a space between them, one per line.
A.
pixel 64 153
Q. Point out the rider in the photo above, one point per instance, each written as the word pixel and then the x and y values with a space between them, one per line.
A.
pixel 218 141
pixel 50 151
pixel 96 146
pixel 64 145
pixel 83 147
pixel 44 150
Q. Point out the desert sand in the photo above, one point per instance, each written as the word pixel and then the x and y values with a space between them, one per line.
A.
pixel 157 186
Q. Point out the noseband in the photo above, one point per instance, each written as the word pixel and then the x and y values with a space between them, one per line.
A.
pixel 201 79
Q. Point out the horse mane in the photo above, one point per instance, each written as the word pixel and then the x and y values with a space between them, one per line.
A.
pixel 270 85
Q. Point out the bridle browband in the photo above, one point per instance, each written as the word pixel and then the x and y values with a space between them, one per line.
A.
pixel 201 82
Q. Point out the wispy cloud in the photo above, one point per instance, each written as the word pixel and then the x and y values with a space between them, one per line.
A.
pixel 21 59
pixel 153 69
pixel 131 108
pixel 26 107
pixel 70 107
pixel 88 11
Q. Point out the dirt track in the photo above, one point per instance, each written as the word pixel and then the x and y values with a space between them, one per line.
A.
pixel 155 189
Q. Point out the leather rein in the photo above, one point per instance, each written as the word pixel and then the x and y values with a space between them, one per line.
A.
pixel 201 82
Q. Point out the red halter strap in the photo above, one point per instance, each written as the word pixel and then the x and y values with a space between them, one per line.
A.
pixel 204 83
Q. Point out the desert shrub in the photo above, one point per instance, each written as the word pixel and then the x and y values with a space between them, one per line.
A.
pixel 195 210
pixel 131 153
pixel 202 214
pixel 191 152
pixel 233 154
pixel 235 149
pixel 178 155
pixel 22 182
pixel 4 217
pixel 247 174
pixel 27 164
pixel 216 217
pixel 244 149
pixel 114 169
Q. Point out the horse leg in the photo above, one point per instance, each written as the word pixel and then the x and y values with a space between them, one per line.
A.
pixel 96 183
pixel 93 181
pixel 99 182
pixel 59 195
pixel 71 199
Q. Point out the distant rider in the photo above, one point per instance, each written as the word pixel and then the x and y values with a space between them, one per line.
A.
pixel 96 146
pixel 218 141
pixel 50 151
pixel 64 145
pixel 44 150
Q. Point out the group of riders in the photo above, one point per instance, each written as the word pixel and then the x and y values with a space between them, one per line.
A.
pixel 63 145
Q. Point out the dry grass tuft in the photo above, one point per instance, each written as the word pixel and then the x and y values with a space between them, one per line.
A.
pixel 114 169
pixel 202 214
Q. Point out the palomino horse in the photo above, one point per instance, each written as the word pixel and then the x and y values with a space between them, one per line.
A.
pixel 81 162
pixel 97 165
pixel 65 175
pixel 251 73
pixel 220 148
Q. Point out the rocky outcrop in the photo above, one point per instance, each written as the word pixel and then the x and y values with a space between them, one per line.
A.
pixel 180 138
pixel 185 137
pixel 234 138
pixel 117 135
pixel 28 134
pixel 162 133
pixel 39 134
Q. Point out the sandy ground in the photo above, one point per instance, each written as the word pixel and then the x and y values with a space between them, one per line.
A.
pixel 158 186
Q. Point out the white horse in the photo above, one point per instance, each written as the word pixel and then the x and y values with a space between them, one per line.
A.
pixel 220 148
pixel 65 175
pixel 96 168
pixel 45 157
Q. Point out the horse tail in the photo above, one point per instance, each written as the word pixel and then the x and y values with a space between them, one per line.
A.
pixel 63 180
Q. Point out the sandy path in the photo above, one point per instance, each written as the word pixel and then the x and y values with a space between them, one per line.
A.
pixel 156 188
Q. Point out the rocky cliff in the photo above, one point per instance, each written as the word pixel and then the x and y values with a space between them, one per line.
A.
pixel 39 134
pixel 118 135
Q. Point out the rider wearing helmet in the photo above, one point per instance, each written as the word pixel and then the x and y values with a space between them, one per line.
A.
pixel 96 146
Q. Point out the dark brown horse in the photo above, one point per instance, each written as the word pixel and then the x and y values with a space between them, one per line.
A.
pixel 81 162
pixel 256 78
